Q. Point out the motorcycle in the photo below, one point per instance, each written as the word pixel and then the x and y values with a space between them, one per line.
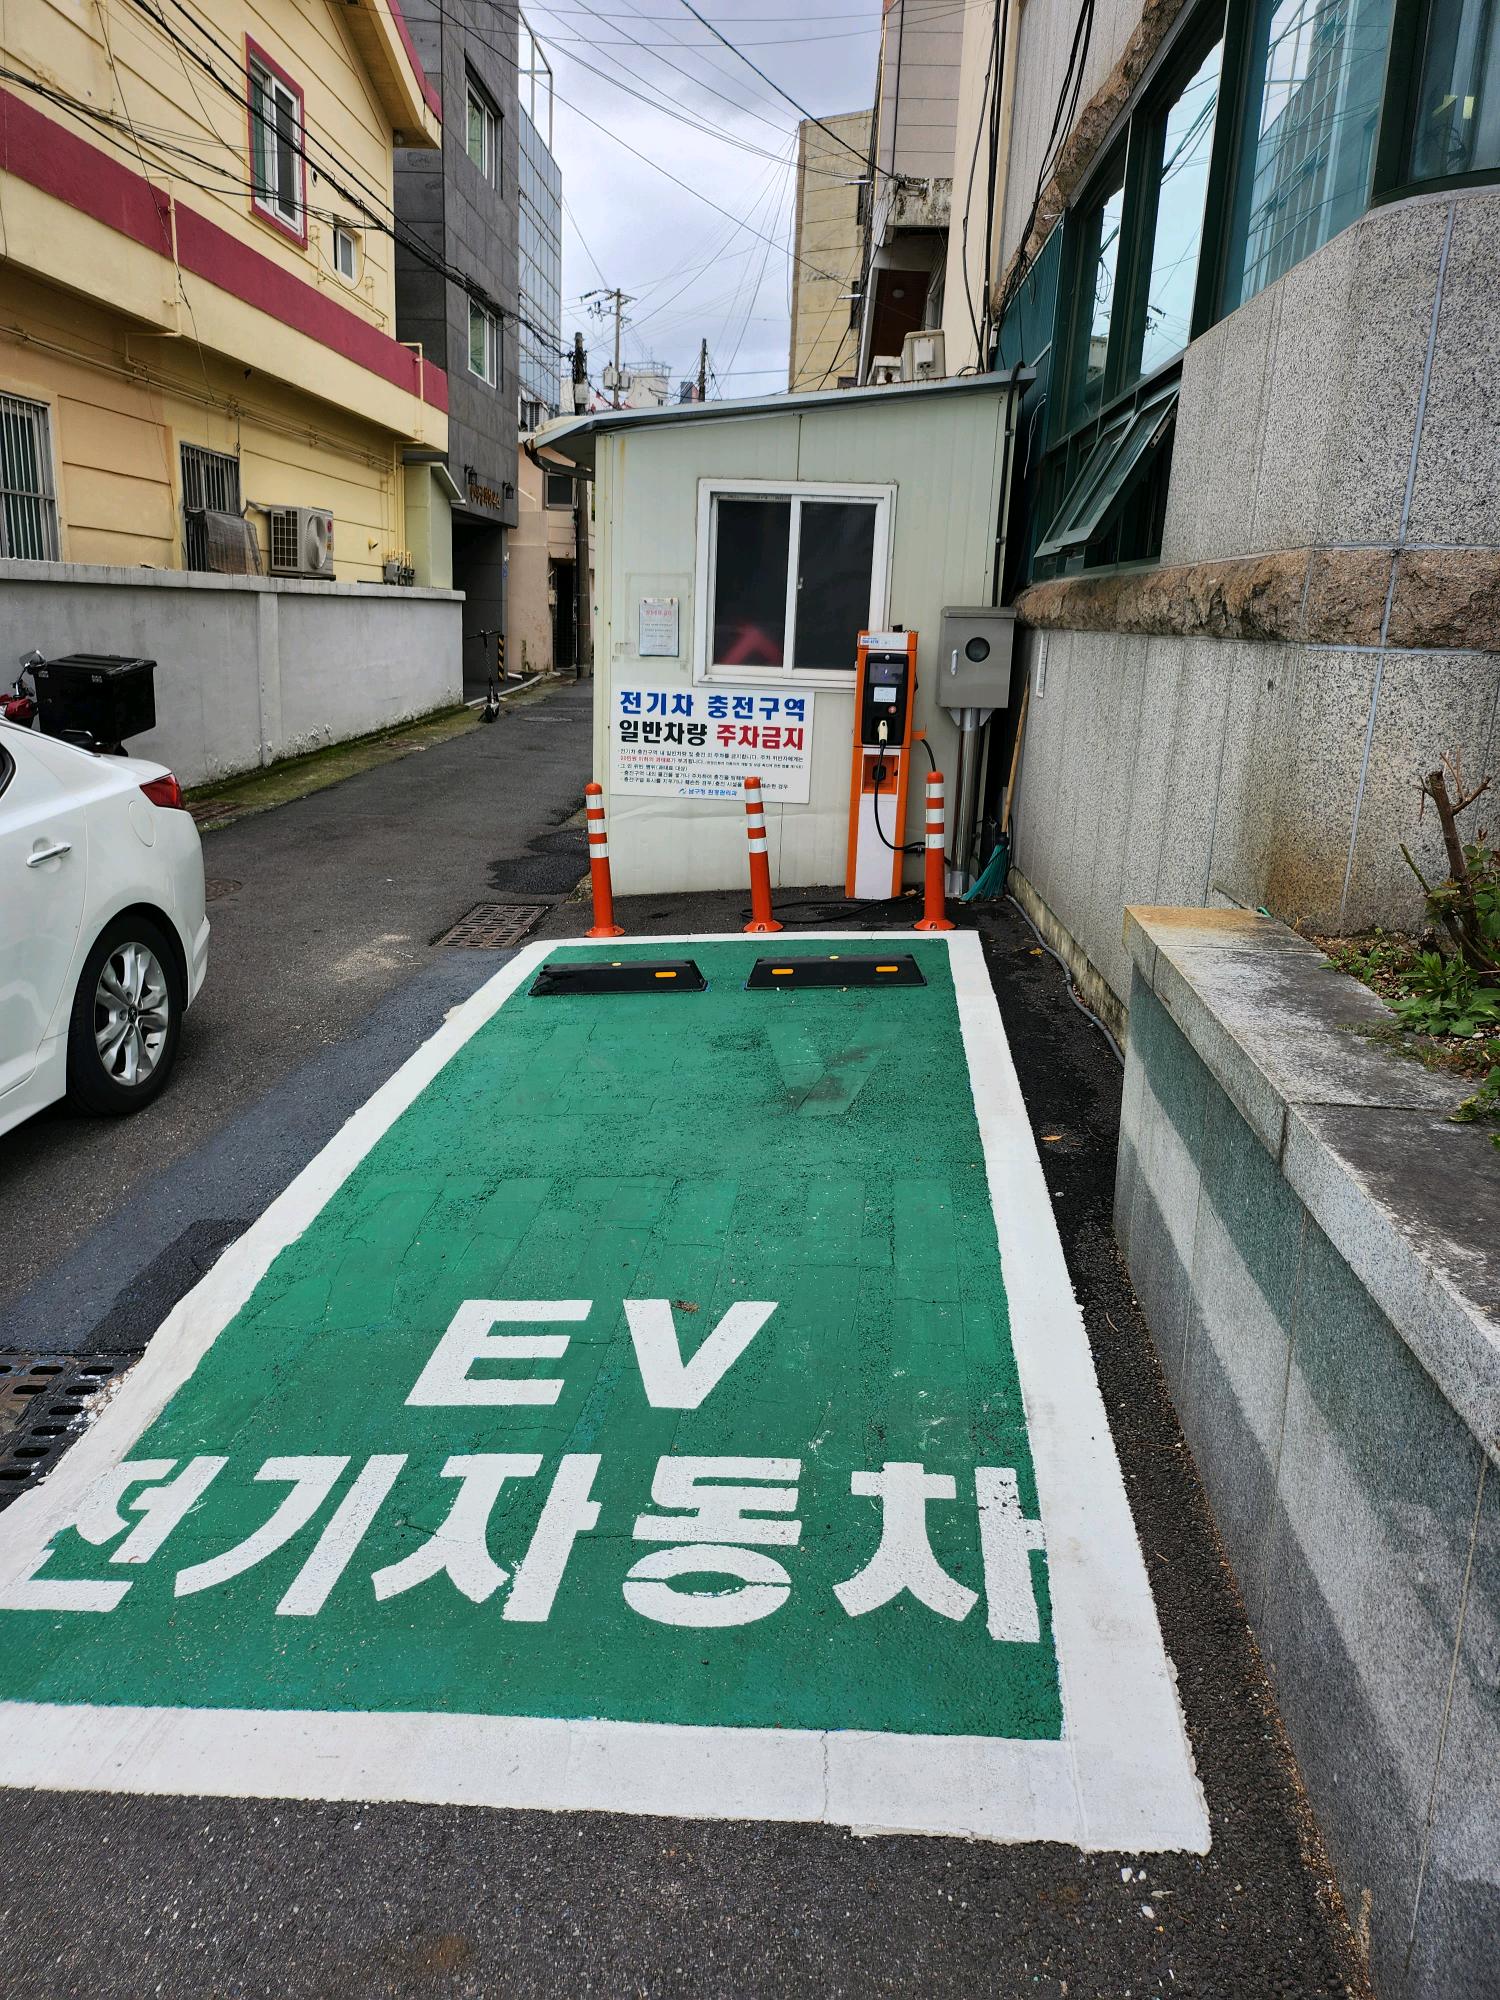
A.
pixel 19 706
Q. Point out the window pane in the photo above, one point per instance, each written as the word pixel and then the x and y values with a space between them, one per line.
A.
pixel 1101 255
pixel 835 555
pixel 479 340
pixel 750 558
pixel 476 131
pixel 1112 510
pixel 286 154
pixel 1319 70
pixel 262 170
pixel 1187 135
pixel 1147 429
pixel 1458 102
pixel 1078 492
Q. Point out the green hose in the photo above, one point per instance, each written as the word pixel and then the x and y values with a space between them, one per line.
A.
pixel 990 882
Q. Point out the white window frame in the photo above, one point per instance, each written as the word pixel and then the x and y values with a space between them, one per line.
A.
pixel 476 98
pixel 37 416
pixel 710 492
pixel 267 194
pixel 491 374
pixel 342 236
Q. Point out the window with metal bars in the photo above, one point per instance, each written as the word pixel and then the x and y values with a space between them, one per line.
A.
pixel 28 496
pixel 210 484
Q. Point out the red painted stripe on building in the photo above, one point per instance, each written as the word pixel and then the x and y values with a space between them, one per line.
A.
pixel 212 253
pixel 434 102
pixel 38 150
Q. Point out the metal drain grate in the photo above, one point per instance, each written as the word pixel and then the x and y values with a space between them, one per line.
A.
pixel 43 1406
pixel 493 926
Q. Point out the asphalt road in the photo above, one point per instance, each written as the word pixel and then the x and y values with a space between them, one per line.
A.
pixel 116 1896
pixel 319 910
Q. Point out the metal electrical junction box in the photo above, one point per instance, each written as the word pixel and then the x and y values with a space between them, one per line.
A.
pixel 973 656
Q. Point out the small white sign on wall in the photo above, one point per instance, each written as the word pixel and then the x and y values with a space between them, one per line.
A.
pixel 657 634
pixel 703 742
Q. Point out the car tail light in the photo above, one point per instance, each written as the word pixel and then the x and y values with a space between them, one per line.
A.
pixel 165 791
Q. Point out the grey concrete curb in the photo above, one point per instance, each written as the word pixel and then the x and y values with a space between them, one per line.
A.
pixel 1409 1200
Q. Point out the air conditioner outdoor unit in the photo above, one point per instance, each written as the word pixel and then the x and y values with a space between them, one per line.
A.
pixel 301 541
pixel 922 356
pixel 885 369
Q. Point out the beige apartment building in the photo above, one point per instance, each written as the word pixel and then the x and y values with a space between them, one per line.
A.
pixel 544 635
pixel 909 202
pixel 829 250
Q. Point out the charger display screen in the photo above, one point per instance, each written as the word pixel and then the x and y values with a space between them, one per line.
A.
pixel 886 692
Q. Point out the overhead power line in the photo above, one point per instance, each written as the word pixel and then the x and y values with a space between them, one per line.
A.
pixel 796 106
pixel 371 219
pixel 700 83
pixel 704 127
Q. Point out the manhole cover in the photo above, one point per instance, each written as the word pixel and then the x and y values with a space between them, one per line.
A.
pixel 44 1401
pixel 212 891
pixel 493 926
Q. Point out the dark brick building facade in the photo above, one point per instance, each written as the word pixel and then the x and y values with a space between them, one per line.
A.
pixel 462 202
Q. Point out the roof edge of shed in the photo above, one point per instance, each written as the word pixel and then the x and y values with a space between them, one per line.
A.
pixel 573 438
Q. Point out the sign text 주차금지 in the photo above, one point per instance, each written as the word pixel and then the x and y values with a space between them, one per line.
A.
pixel 702 742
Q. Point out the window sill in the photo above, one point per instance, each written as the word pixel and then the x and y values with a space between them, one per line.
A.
pixel 1440 184
pixel 291 232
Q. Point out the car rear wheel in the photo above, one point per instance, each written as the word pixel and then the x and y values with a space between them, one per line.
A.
pixel 126 1020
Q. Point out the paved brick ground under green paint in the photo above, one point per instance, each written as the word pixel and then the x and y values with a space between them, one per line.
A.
pixel 819 1149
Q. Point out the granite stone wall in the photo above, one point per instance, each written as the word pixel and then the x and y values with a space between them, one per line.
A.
pixel 1224 772
pixel 1358 1506
pixel 1247 721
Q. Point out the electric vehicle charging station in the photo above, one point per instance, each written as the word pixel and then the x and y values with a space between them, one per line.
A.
pixel 885 687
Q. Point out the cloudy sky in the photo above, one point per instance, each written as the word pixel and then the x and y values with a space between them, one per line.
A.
pixel 693 271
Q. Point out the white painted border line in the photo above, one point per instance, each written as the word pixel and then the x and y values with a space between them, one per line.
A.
pixel 1122 1777
pixel 1133 1766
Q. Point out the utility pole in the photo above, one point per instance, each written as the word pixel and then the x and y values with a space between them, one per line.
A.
pixel 612 301
pixel 580 376
pixel 581 647
pixel 703 372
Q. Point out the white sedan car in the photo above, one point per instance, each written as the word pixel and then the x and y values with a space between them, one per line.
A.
pixel 103 940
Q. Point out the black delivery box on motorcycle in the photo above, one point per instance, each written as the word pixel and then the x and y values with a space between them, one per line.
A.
pixel 108 696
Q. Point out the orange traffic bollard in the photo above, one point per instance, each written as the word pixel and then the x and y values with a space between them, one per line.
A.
pixel 604 903
pixel 761 918
pixel 934 916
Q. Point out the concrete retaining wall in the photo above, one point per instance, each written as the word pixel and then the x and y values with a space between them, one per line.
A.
pixel 249 669
pixel 1314 1246
pixel 1228 772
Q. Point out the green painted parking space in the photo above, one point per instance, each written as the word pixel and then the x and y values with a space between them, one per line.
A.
pixel 630 1409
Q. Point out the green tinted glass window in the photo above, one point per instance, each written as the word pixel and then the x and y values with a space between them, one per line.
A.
pixel 1457 124
pixel 1182 145
pixel 1317 75
pixel 1098 268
